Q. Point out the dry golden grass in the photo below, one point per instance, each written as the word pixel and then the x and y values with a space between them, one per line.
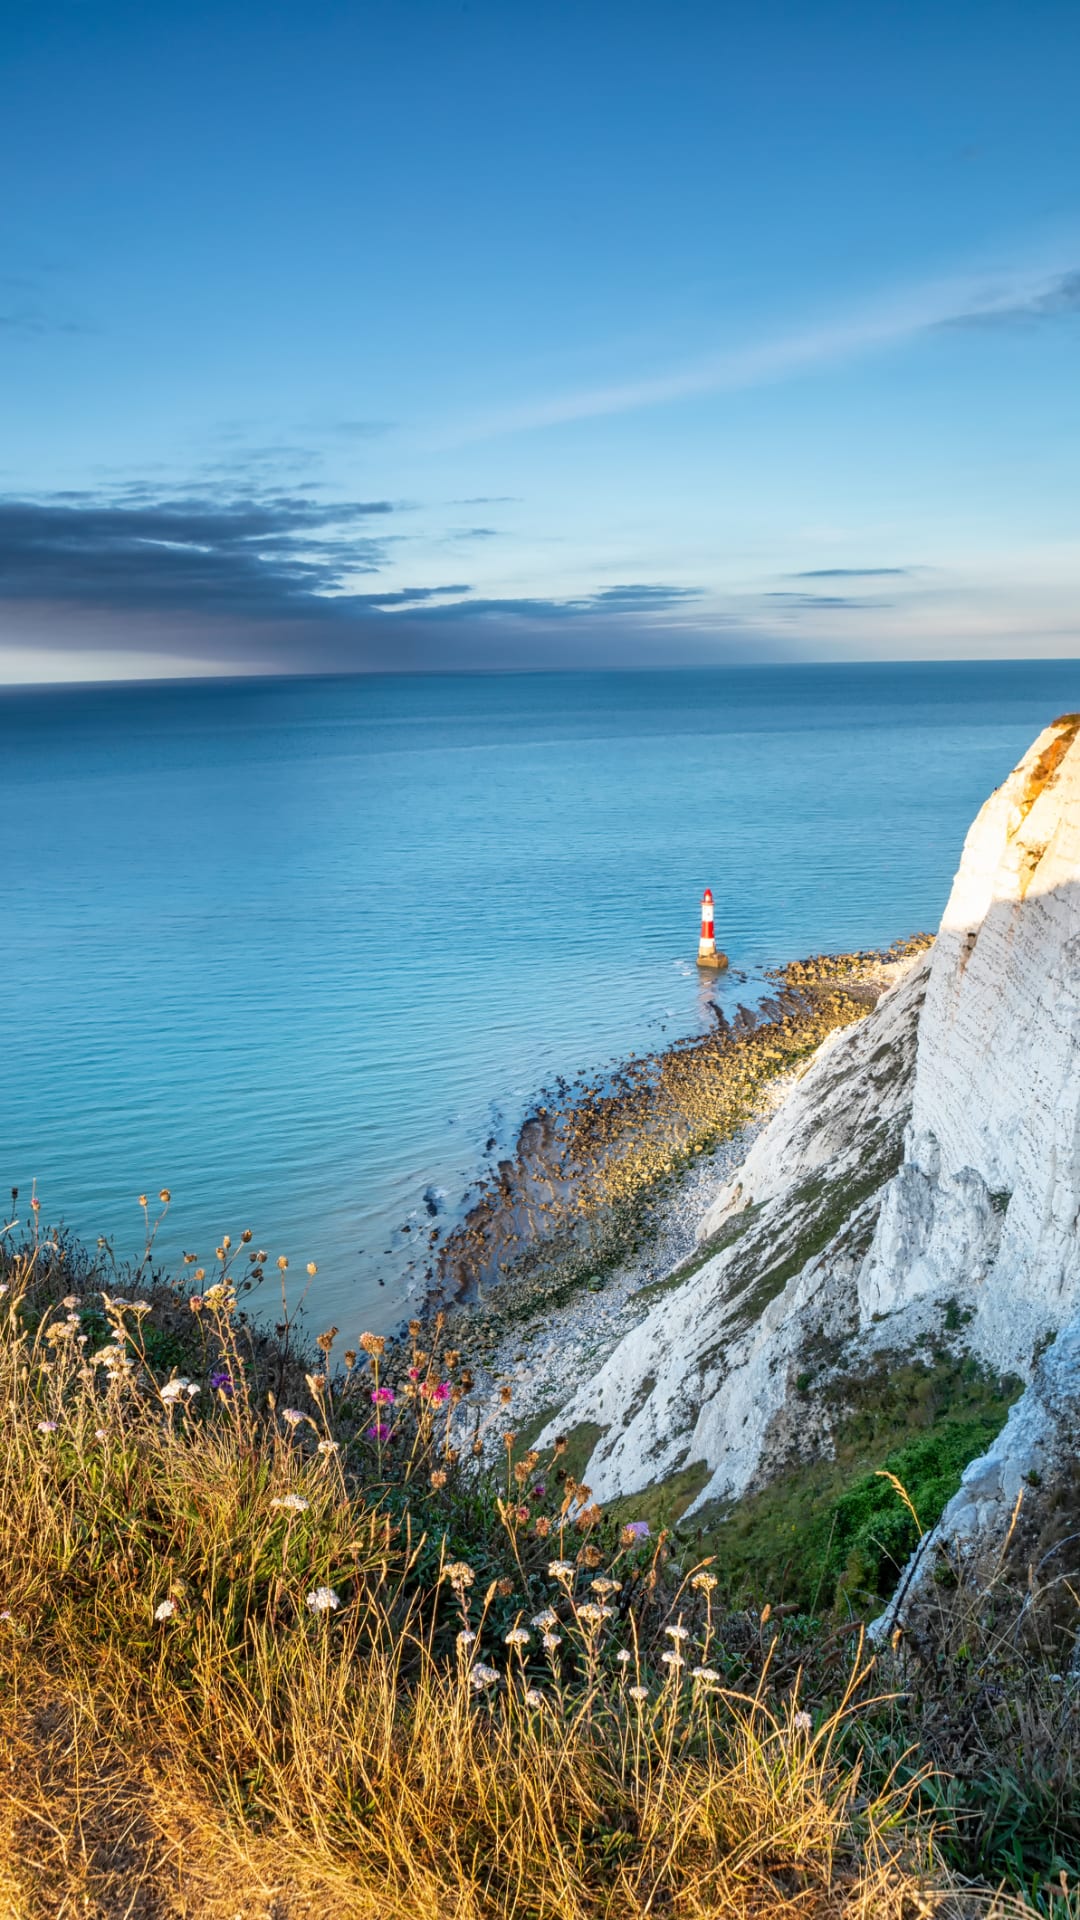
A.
pixel 186 1731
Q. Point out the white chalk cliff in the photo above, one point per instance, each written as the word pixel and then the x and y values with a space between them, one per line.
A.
pixel 924 1171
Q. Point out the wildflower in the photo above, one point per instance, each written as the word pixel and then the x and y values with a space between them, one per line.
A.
pixel 291 1417
pixel 70 1301
pixel 634 1531
pixel 673 1660
pixel 561 1569
pixel 174 1390
pixel 623 1656
pixel 382 1397
pixel 459 1573
pixel 533 1697
pixel 482 1677
pixel 539 1490
pixel 323 1600
pixel 677 1633
pixel 165 1610
pixel 46 1426
pixel 441 1393
pixel 604 1587
pixel 100 1433
pixel 704 1582
pixel 327 1446
pixel 292 1503
pixel 551 1641
pixel 802 1723
pixel 593 1614
pixel 710 1674
pixel 221 1380
pixel 379 1431
pixel 466 1637
pixel 546 1620
pixel 638 1693
pixel 518 1637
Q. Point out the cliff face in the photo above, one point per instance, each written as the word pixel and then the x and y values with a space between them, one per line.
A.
pixel 987 1199
pixel 923 1174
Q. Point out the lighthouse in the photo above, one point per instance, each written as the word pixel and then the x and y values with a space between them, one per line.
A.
pixel 707 955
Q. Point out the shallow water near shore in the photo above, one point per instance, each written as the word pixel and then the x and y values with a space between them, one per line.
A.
pixel 303 951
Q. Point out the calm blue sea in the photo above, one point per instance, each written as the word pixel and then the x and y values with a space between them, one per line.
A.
pixel 300 949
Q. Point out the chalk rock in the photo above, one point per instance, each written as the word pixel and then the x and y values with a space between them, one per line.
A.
pixel 927 1161
pixel 985 1205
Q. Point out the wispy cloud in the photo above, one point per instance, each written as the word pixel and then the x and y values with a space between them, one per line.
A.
pixel 819 602
pixel 849 573
pixel 962 301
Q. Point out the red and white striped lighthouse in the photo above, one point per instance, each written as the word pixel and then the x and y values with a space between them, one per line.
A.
pixel 707 955
pixel 707 943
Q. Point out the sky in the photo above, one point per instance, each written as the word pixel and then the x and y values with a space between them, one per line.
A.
pixel 348 336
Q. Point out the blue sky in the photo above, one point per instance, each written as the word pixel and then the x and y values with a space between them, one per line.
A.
pixel 342 336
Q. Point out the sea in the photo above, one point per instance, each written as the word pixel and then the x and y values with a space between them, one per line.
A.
pixel 303 951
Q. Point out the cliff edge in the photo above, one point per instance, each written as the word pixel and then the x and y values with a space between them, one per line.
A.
pixel 918 1190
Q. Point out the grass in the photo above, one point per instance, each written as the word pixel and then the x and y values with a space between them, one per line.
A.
pixel 259 1654
pixel 834 1531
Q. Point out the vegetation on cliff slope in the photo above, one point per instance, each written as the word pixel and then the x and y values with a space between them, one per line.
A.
pixel 274 1641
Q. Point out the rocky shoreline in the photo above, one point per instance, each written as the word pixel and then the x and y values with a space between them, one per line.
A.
pixel 553 1314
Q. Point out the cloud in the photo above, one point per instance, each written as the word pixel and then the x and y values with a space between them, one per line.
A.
pixel 817 602
pixel 1050 301
pixel 849 573
pixel 902 316
pixel 274 582
pixel 264 556
pixel 487 500
pixel 637 599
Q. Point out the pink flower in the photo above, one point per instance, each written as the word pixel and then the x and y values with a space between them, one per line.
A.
pixel 414 1373
pixel 441 1392
pixel 378 1432
pixel 383 1397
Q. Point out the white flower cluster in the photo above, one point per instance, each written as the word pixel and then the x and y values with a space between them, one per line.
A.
pixel 179 1389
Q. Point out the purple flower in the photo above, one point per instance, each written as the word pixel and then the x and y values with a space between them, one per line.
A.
pixel 378 1432
pixel 539 1490
pixel 221 1380
pixel 638 1529
pixel 383 1397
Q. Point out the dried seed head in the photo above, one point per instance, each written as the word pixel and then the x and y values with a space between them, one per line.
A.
pixel 506 1394
pixel 438 1480
pixel 164 1196
pixel 246 1235
pixel 373 1343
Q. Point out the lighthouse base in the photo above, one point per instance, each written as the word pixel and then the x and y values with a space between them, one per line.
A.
pixel 717 960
